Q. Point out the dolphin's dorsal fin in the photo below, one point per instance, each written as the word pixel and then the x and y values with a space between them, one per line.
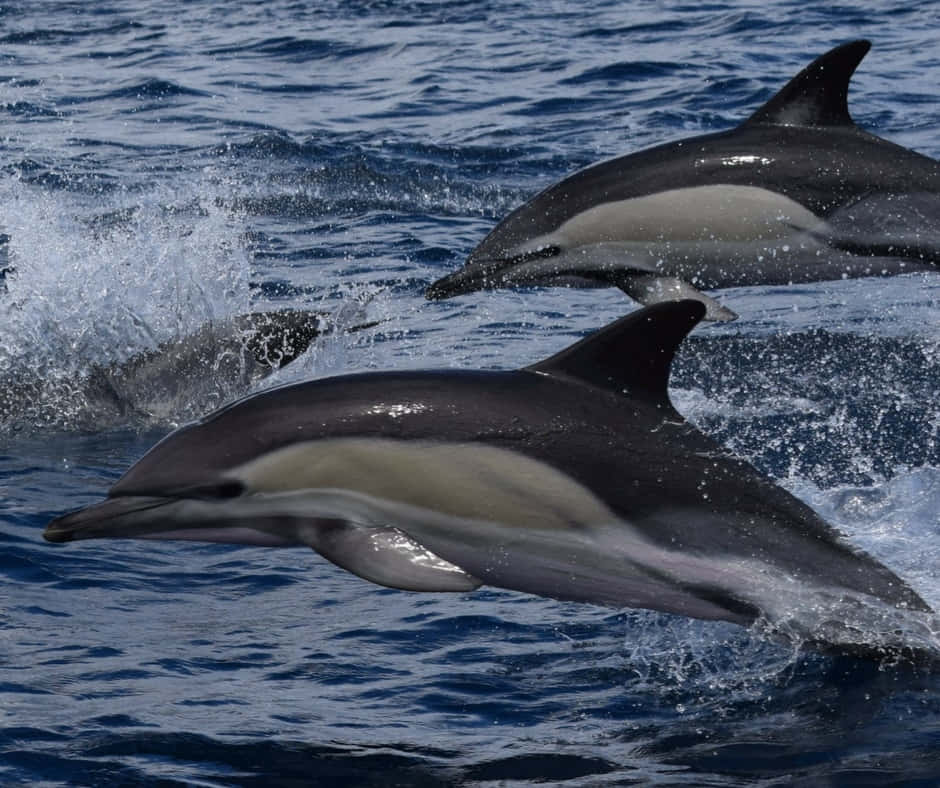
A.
pixel 632 355
pixel 818 95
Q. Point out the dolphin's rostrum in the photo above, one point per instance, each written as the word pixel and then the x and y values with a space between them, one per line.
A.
pixel 796 193
pixel 574 478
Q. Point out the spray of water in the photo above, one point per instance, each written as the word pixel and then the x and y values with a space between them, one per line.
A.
pixel 94 284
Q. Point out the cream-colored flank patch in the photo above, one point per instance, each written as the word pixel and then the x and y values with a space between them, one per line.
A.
pixel 701 213
pixel 465 480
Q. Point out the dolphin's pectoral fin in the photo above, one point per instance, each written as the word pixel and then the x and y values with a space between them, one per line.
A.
pixel 386 556
pixel 653 289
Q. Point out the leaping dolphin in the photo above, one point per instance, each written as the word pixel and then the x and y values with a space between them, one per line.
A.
pixel 796 193
pixel 573 478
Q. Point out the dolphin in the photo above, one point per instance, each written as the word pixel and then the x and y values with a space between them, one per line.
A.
pixel 795 193
pixel 226 355
pixel 223 358
pixel 573 478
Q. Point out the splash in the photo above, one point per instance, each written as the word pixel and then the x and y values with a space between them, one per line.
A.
pixel 897 521
pixel 705 666
pixel 93 284
pixel 834 407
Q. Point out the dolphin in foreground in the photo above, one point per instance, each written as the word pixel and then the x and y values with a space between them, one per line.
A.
pixel 573 478
pixel 796 193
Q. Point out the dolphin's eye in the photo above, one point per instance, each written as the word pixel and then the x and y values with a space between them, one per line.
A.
pixel 551 250
pixel 229 488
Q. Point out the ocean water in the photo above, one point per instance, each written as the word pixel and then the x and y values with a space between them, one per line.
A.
pixel 165 164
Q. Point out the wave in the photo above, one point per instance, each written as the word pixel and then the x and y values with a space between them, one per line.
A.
pixel 46 36
pixel 625 72
pixel 293 49
pixel 156 89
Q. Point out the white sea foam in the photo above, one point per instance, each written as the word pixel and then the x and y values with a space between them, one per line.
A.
pixel 95 288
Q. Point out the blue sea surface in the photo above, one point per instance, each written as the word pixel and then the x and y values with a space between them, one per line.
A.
pixel 164 164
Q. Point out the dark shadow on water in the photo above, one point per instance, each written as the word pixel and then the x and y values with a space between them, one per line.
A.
pixel 833 722
pixel 255 764
pixel 837 722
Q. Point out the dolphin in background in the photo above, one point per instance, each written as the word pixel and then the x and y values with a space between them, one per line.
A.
pixel 175 381
pixel 573 478
pixel 230 354
pixel 796 193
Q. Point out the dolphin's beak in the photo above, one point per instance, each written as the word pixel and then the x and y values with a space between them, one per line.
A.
pixel 106 519
pixel 469 279
pixel 537 268
pixel 190 519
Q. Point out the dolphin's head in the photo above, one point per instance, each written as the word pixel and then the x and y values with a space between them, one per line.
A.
pixel 275 339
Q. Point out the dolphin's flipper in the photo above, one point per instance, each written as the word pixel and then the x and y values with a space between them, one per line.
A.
pixel 652 289
pixel 387 556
